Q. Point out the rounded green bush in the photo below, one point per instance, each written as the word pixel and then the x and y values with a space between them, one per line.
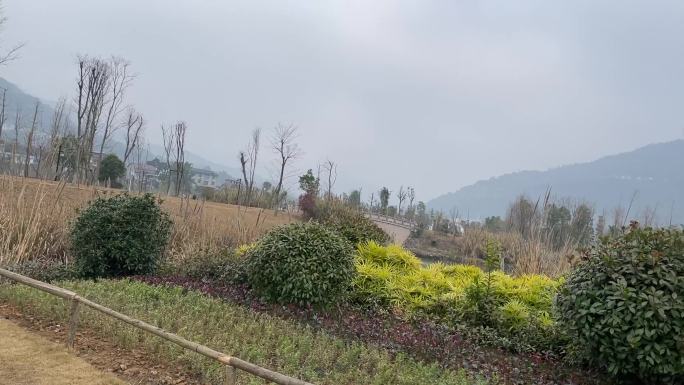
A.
pixel 119 236
pixel 302 263
pixel 351 224
pixel 624 305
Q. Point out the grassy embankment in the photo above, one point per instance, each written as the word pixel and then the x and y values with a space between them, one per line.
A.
pixel 277 344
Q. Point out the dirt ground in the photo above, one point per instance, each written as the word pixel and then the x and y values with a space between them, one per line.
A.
pixel 93 353
pixel 29 359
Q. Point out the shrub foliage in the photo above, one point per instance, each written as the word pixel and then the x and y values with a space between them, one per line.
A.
pixel 119 236
pixel 624 305
pixel 516 308
pixel 350 223
pixel 301 263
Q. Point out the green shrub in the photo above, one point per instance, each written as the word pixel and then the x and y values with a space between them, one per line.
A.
pixel 45 270
pixel 350 223
pixel 227 266
pixel 301 263
pixel 624 305
pixel 514 315
pixel 119 236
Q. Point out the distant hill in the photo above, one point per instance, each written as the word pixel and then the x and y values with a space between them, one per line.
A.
pixel 655 172
pixel 17 99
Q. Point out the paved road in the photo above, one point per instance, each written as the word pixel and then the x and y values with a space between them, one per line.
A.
pixel 399 234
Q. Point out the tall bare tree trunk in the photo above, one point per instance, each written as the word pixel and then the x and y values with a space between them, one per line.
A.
pixel 284 146
pixel 29 141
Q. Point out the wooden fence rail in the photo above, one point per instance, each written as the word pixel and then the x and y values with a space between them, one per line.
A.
pixel 75 300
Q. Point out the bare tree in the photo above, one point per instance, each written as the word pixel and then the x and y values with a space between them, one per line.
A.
pixel 17 126
pixel 134 125
pixel 284 146
pixel 120 79
pixel 411 198
pixel 454 214
pixel 253 153
pixel 3 117
pixel 11 53
pixel 53 152
pixel 15 147
pixel 402 195
pixel 93 84
pixel 29 140
pixel 169 143
pixel 331 168
pixel 179 130
pixel 243 167
pixel 248 161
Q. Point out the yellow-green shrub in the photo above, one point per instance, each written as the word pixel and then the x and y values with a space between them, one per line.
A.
pixel 514 315
pixel 392 255
pixel 374 283
pixel 520 306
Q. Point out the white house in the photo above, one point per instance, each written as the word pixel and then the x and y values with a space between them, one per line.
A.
pixel 204 178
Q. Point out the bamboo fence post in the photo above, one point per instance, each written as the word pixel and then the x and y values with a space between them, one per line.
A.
pixel 231 375
pixel 73 322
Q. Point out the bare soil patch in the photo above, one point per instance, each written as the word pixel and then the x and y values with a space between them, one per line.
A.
pixel 30 359
pixel 95 355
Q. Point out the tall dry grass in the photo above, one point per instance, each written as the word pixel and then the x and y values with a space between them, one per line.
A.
pixel 532 255
pixel 33 221
pixel 35 218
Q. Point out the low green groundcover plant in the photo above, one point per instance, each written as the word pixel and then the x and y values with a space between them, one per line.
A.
pixel 271 342
pixel 119 236
pixel 624 305
pixel 516 307
pixel 301 263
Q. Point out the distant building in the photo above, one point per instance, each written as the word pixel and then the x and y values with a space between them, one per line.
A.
pixel 15 155
pixel 144 176
pixel 204 178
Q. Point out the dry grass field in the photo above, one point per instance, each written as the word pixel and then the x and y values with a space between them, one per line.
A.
pixel 28 359
pixel 35 216
pixel 523 256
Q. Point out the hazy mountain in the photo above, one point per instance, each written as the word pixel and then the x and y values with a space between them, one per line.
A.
pixel 19 101
pixel 16 99
pixel 655 172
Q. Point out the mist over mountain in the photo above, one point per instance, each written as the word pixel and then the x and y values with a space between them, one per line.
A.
pixel 17 101
pixel 24 103
pixel 655 173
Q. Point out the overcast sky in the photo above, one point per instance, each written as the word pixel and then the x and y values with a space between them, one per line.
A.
pixel 434 94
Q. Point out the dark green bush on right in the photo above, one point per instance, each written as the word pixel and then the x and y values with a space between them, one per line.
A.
pixel 119 236
pixel 624 305
pixel 301 263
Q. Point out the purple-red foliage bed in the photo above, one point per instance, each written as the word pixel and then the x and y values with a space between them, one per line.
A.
pixel 423 340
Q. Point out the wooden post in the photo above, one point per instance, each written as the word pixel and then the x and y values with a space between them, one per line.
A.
pixel 73 322
pixel 231 375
